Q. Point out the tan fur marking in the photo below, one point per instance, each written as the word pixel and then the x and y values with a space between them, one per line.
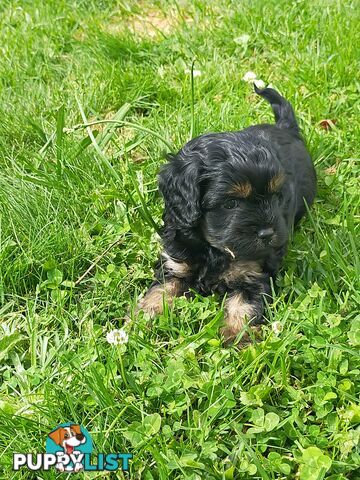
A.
pixel 243 189
pixel 241 269
pixel 179 269
pixel 276 183
pixel 152 303
pixel 237 313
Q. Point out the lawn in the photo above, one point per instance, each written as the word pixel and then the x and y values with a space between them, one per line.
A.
pixel 79 210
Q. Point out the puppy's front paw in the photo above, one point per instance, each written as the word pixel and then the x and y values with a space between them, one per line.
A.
pixel 153 301
pixel 238 313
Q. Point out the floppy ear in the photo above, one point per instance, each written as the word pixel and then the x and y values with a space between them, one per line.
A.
pixel 179 185
pixel 56 435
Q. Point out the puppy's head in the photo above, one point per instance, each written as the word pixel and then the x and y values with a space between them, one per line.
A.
pixel 227 191
pixel 68 437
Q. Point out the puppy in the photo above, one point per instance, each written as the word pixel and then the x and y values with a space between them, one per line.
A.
pixel 231 202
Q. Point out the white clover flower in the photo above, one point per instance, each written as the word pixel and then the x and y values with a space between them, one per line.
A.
pixel 196 73
pixel 277 327
pixel 117 337
pixel 259 83
pixel 249 77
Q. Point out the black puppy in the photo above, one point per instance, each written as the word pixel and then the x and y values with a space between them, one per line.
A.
pixel 231 201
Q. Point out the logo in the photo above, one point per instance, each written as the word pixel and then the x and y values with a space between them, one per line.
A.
pixel 69 449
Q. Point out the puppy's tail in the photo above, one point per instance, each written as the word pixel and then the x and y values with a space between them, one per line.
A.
pixel 283 111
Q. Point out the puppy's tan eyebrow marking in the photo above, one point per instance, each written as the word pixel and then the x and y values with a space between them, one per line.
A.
pixel 243 189
pixel 276 183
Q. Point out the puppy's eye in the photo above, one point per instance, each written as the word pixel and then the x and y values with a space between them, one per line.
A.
pixel 66 435
pixel 230 204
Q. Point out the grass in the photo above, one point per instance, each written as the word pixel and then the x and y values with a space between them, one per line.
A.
pixel 79 210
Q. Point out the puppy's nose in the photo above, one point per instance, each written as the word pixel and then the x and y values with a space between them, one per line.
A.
pixel 266 233
pixel 79 436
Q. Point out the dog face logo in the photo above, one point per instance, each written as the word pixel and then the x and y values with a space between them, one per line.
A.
pixel 68 437
pixel 69 442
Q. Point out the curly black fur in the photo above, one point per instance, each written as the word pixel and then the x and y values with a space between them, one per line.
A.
pixel 231 202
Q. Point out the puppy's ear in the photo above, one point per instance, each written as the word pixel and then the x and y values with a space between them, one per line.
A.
pixel 179 185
